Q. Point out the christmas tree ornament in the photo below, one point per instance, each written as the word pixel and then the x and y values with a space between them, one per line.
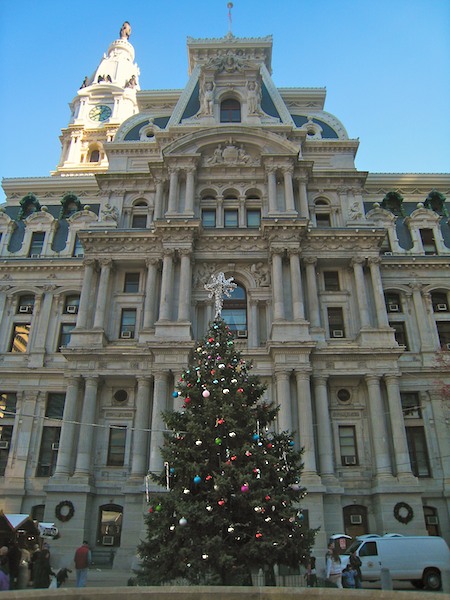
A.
pixel 198 442
pixel 204 556
pixel 182 522
pixel 245 488
pixel 218 441
pixel 172 528
pixel 232 434
pixel 158 508
pixel 221 502
pixel 230 529
pixel 221 366
pixel 258 535
pixel 226 391
pixel 186 491
pixel 209 508
pixel 197 479
pixel 205 394
pixel 234 381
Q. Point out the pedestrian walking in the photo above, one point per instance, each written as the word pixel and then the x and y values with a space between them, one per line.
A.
pixel 82 559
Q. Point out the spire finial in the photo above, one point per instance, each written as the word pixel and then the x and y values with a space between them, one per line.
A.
pixel 229 6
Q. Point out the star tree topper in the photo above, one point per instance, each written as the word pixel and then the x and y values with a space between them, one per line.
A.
pixel 219 287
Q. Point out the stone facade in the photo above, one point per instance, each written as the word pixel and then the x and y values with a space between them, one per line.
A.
pixel 343 299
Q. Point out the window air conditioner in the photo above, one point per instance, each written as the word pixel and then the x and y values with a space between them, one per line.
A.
pixel 337 333
pixel 35 256
pixel 4 445
pixel 80 255
pixel 55 446
pixel 72 309
pixel 442 307
pixel 356 519
pixel 388 253
pixel 108 540
pixel 126 335
pixel 349 460
pixel 241 333
pixel 393 307
pixel 432 520
pixel 26 308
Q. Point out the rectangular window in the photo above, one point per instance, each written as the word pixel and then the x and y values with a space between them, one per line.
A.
pixel 6 432
pixel 323 220
pixel 400 333
pixel 78 249
pixel 347 445
pixel 139 222
pixel 253 218
pixel 231 217
pixel 55 405
pixel 418 452
pixel 208 218
pixel 331 281
pixel 116 446
pixel 443 328
pixel 336 322
pixel 128 323
pixel 411 405
pixel 20 337
pixel 131 283
pixel 428 243
pixel 8 403
pixel 65 334
pixel 48 451
pixel 37 244
pixel 386 245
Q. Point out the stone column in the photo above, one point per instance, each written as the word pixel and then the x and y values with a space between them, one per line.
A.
pixel 102 295
pixel 86 291
pixel 173 191
pixel 398 431
pixel 296 284
pixel 311 290
pixel 3 298
pixel 165 307
pixel 253 325
pixel 289 190
pixel 324 431
pixel 380 443
pixel 6 301
pixel 305 416
pixel 44 318
pixel 150 293
pixel 241 212
pixel 219 212
pixel 378 294
pixel 303 196
pixel 190 191
pixel 284 401
pixel 66 440
pixel 159 199
pixel 361 292
pixel 141 426
pixel 426 340
pixel 277 284
pixel 272 189
pixel 158 426
pixel 184 301
pixel 86 434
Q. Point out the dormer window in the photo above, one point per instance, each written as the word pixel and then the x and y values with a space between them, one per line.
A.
pixel 230 111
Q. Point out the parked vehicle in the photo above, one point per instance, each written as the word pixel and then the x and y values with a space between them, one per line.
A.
pixel 419 559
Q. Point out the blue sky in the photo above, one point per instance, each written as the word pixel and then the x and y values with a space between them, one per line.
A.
pixel 385 65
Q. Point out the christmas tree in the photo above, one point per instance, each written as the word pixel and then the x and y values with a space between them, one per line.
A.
pixel 232 485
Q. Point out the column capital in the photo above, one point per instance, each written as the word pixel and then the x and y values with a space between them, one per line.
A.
pixel 310 260
pixel 372 378
pixel 415 286
pixel 168 252
pixel 374 260
pixel 322 379
pixel 293 251
pixel 89 262
pixel 357 260
pixel 185 252
pixel 106 262
pixel 152 261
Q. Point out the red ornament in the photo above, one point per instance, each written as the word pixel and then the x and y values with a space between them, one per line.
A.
pixel 221 502
pixel 258 535
pixel 233 457
pixel 210 340
pixel 241 390
pixel 269 445
pixel 267 498
pixel 208 477
pixel 187 400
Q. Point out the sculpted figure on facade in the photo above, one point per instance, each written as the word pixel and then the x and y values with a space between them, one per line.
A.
pixel 207 98
pixel 110 213
pixel 253 98
pixel 261 273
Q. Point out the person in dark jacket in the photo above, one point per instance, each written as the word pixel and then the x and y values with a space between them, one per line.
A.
pixel 42 570
pixel 355 562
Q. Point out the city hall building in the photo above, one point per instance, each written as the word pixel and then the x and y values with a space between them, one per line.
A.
pixel 342 300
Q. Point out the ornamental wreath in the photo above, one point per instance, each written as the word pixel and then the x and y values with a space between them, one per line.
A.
pixel 403 518
pixel 66 516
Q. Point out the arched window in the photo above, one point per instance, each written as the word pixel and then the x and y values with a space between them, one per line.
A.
pixel 109 525
pixel 230 111
pixel 95 156
pixel 139 215
pixel 234 311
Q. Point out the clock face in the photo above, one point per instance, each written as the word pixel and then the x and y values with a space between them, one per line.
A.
pixel 100 113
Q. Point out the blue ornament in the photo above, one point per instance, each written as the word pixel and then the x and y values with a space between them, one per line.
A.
pixel 197 479
pixel 175 394
pixel 172 470
pixel 291 443
pixel 255 437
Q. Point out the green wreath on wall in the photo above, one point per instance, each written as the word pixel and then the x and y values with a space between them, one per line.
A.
pixel 401 516
pixel 65 516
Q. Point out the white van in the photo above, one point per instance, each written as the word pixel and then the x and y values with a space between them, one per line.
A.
pixel 419 559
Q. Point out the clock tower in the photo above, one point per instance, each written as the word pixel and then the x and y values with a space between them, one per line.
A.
pixel 105 100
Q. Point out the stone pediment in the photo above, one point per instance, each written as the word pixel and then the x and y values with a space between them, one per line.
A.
pixel 252 143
